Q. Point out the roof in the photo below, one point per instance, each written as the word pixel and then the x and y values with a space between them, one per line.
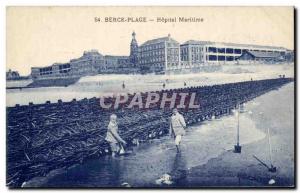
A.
pixel 258 54
pixel 158 40
pixel 91 52
pixel 116 57
pixel 87 54
pixel 195 42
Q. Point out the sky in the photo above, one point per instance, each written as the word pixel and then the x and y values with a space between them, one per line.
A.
pixel 41 36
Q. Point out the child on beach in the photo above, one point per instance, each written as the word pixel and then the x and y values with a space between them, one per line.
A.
pixel 113 137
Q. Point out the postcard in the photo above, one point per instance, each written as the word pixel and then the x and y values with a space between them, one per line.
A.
pixel 150 97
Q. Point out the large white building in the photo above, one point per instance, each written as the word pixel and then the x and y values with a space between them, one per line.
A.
pixel 199 53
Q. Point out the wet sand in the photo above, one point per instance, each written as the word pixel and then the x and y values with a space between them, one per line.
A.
pixel 276 111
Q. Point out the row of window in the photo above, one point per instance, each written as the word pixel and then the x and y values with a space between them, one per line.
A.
pixel 64 68
pixel 151 60
pixel 170 64
pixel 223 50
pixel 158 65
pixel 184 50
pixel 239 51
pixel 151 47
pixel 152 53
pixel 173 51
pixel 220 58
pixel 159 53
pixel 46 71
pixel 173 58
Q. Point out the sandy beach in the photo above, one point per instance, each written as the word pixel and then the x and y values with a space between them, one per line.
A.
pixel 207 158
pixel 276 111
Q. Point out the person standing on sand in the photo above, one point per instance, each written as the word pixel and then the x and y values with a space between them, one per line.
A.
pixel 177 127
pixel 113 137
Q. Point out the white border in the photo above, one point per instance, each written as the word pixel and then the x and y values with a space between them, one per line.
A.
pixel 4 3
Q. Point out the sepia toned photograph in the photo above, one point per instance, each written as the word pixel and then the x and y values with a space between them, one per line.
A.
pixel 150 97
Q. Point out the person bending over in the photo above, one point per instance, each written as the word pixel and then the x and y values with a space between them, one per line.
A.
pixel 113 137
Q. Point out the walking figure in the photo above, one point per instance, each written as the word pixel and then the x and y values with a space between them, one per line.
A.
pixel 177 128
pixel 123 85
pixel 113 137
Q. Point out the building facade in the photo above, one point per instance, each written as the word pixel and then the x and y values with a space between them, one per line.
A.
pixel 12 75
pixel 91 63
pixel 192 54
pixel 164 55
pixel 159 55
pixel 199 53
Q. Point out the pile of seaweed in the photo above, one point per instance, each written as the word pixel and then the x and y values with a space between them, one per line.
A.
pixel 43 137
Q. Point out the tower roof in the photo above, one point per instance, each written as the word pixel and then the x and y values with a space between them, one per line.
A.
pixel 133 41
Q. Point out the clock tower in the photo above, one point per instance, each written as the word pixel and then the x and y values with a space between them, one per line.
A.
pixel 133 51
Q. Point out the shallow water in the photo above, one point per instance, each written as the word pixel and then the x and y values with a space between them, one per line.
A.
pixel 150 161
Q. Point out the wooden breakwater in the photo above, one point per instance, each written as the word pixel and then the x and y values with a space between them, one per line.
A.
pixel 43 137
pixel 59 82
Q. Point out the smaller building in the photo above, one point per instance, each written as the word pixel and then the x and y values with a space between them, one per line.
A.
pixel 289 56
pixel 12 75
pixel 260 57
pixel 90 63
pixel 193 53
pixel 115 63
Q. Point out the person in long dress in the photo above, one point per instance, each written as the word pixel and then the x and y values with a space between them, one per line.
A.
pixel 113 137
pixel 177 128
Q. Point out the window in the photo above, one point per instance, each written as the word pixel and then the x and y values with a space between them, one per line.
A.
pixel 212 57
pixel 46 71
pixel 237 51
pixel 212 49
pixel 229 58
pixel 221 58
pixel 229 50
pixel 221 50
pixel 64 68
